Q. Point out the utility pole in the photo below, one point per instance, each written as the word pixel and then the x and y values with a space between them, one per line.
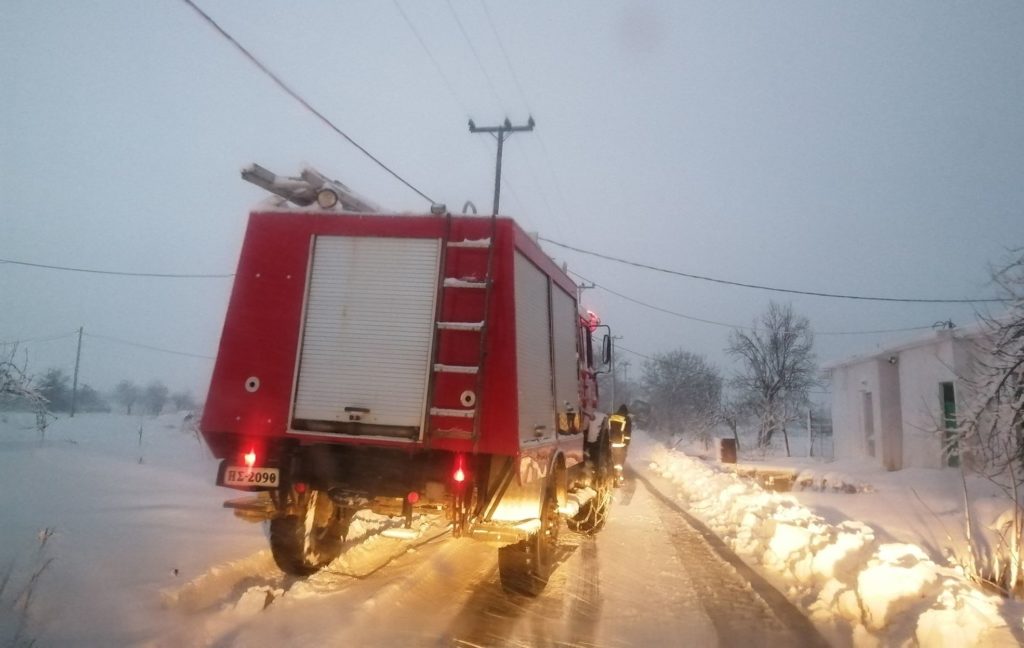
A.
pixel 74 384
pixel 581 287
pixel 500 133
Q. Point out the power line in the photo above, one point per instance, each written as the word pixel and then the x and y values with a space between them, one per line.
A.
pixel 430 55
pixel 160 275
pixel 526 102
pixel 476 55
pixel 47 338
pixel 659 308
pixel 619 347
pixel 109 338
pixel 504 53
pixel 736 326
pixel 792 291
pixel 305 104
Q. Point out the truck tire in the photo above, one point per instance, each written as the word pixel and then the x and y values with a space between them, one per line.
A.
pixel 593 514
pixel 304 544
pixel 526 566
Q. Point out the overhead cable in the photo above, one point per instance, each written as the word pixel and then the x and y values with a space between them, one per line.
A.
pixel 736 326
pixel 430 55
pixel 476 55
pixel 526 102
pixel 159 275
pixel 48 338
pixel 305 104
pixel 792 291
pixel 504 53
pixel 109 338
pixel 619 347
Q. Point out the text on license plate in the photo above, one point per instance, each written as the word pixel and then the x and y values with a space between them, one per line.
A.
pixel 244 476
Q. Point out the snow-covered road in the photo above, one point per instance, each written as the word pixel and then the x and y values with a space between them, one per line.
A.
pixel 649 578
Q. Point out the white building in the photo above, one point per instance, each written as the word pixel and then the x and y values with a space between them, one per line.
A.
pixel 892 406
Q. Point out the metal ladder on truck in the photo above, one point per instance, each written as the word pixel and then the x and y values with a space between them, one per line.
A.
pixel 472 406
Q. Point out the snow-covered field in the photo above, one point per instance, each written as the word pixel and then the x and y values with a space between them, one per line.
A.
pixel 869 555
pixel 131 510
pixel 112 534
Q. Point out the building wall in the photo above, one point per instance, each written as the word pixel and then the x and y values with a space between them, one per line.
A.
pixel 849 384
pixel 922 371
pixel 890 413
pixel 905 385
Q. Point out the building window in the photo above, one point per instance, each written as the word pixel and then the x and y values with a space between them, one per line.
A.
pixel 950 441
pixel 868 421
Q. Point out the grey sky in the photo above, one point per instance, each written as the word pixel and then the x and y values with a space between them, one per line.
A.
pixel 870 147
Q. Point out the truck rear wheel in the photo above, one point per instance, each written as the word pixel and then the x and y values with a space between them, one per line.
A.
pixel 526 566
pixel 593 514
pixel 303 544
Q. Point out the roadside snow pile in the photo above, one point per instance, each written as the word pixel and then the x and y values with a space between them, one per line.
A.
pixel 850 584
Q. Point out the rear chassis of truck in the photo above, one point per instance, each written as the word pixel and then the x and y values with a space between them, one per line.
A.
pixel 351 375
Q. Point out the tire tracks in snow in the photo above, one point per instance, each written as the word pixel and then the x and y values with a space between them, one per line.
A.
pixel 724 592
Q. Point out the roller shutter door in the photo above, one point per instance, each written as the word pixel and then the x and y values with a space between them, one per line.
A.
pixel 533 352
pixel 563 323
pixel 367 337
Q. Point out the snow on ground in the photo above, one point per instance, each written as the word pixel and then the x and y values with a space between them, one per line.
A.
pixel 866 553
pixel 113 534
pixel 130 506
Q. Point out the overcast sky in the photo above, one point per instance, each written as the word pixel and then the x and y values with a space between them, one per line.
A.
pixel 872 148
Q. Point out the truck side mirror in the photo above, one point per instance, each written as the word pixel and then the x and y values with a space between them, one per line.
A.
pixel 606 350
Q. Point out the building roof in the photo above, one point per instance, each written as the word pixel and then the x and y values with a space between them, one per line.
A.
pixel 969 332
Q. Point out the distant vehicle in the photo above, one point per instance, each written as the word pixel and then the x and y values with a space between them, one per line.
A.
pixel 406 363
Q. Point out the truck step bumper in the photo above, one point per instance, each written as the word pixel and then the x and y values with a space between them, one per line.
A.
pixel 503 533
pixel 257 508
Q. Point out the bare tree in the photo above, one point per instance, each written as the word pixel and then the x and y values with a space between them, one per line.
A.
pixel 778 366
pixel 991 429
pixel 55 386
pixel 183 401
pixel 126 394
pixel 733 411
pixel 154 397
pixel 684 391
pixel 15 382
pixel 16 385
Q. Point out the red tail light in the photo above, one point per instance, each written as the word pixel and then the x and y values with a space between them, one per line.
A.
pixel 250 457
pixel 459 475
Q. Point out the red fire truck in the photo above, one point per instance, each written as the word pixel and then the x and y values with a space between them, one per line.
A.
pixel 406 363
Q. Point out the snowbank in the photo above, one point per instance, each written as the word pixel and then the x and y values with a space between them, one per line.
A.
pixel 857 589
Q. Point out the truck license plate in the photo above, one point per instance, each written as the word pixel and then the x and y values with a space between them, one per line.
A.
pixel 249 477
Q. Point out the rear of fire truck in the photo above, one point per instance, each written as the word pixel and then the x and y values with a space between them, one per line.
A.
pixel 405 364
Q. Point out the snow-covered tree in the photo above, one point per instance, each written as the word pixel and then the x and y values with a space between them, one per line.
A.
pixel 683 390
pixel 154 397
pixel 55 386
pixel 778 366
pixel 15 383
pixel 127 394
pixel 183 401
pixel 90 400
pixel 991 429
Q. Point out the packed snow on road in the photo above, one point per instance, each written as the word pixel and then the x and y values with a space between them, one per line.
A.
pixel 114 535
